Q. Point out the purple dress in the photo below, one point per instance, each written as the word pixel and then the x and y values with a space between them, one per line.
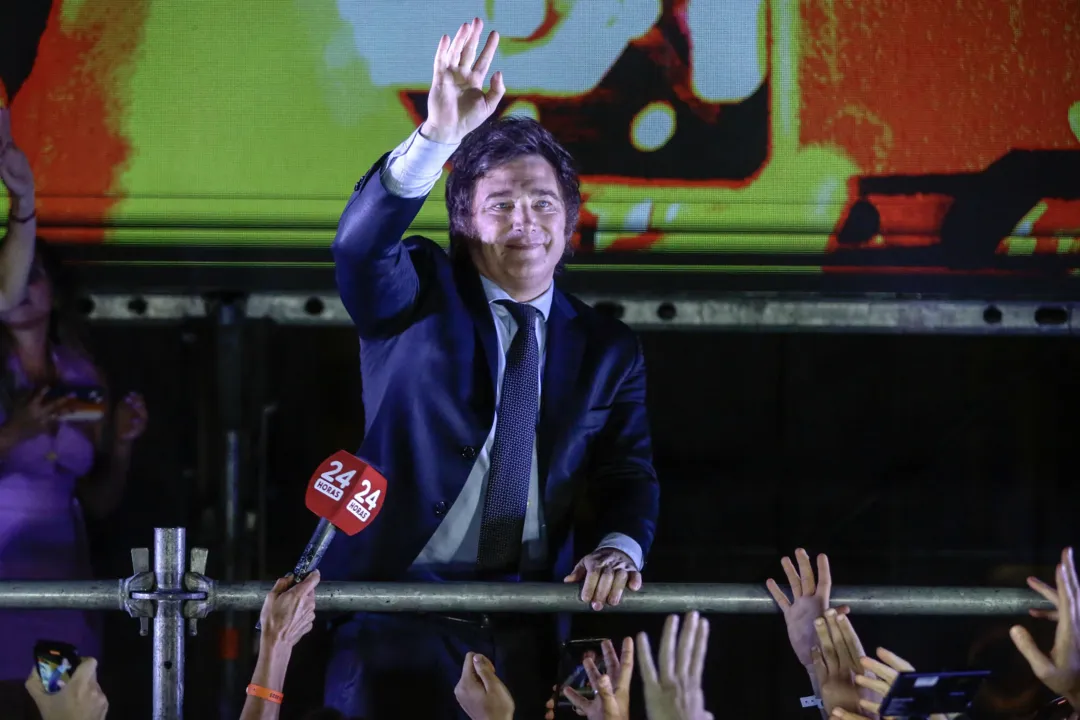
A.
pixel 42 534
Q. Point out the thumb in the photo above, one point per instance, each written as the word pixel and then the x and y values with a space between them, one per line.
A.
pixel 86 672
pixel 577 574
pixel 577 700
pixel 33 684
pixel 1040 664
pixel 311 581
pixel 496 90
pixel 485 670
pixel 282 584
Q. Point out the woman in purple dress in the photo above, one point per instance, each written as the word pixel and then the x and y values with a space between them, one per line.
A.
pixel 53 465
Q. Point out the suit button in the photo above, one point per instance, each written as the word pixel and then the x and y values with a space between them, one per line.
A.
pixel 468 452
pixel 440 508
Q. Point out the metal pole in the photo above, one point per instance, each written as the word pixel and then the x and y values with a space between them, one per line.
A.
pixel 230 403
pixel 665 598
pixel 170 561
pixel 67 594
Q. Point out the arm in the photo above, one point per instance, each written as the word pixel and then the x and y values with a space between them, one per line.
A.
pixel 269 672
pixel 17 252
pixel 375 275
pixel 622 486
pixel 288 613
pixel 103 488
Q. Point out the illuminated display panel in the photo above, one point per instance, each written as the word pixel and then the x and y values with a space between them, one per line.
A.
pixel 765 138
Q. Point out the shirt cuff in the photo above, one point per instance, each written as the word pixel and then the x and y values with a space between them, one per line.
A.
pixel 625 543
pixel 415 166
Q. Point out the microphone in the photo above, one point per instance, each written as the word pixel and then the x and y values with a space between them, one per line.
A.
pixel 346 493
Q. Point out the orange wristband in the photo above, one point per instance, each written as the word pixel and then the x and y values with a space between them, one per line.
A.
pixel 265 693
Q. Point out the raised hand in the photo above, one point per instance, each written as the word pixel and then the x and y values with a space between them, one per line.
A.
pixel 457 103
pixel 886 670
pixel 15 170
pixel 1060 671
pixel 837 661
pixel 611 702
pixel 480 692
pixel 809 601
pixel 674 693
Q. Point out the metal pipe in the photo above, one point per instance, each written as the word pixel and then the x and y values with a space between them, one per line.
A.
pixel 230 369
pixel 62 594
pixel 659 598
pixel 170 561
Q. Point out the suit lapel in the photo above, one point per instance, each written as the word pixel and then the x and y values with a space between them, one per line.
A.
pixel 565 348
pixel 472 292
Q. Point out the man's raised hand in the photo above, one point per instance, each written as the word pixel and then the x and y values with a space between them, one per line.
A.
pixel 457 103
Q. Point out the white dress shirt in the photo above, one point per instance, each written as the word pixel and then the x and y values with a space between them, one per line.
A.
pixel 411 171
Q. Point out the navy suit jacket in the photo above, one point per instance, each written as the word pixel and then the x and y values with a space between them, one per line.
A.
pixel 428 361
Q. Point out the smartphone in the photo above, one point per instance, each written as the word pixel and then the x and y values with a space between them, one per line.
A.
pixel 920 694
pixel 56 662
pixel 572 669
pixel 87 402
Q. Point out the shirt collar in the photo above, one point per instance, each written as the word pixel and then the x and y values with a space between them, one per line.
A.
pixel 542 303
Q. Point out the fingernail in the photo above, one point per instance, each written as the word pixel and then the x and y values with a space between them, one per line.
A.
pixel 819 622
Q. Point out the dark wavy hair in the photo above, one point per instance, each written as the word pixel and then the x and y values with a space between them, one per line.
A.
pixel 67 324
pixel 495 143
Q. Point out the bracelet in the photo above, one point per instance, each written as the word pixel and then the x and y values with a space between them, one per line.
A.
pixel 265 693
pixel 28 218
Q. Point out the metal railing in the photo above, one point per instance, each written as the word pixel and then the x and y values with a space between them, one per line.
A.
pixel 174 593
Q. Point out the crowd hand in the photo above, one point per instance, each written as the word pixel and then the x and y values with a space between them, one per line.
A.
pixel 882 674
pixel 480 692
pixel 809 601
pixel 675 692
pixel 80 699
pixel 33 414
pixel 457 103
pixel 1061 670
pixel 604 575
pixel 611 702
pixel 288 613
pixel 837 661
pixel 14 167
pixel 1050 593
pixel 131 418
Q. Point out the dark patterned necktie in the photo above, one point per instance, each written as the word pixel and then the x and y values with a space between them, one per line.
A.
pixel 507 498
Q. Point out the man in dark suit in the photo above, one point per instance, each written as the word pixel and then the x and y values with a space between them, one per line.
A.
pixel 508 417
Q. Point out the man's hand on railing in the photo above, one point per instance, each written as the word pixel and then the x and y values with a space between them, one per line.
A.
pixel 674 693
pixel 80 699
pixel 809 601
pixel 480 692
pixel 837 663
pixel 1061 670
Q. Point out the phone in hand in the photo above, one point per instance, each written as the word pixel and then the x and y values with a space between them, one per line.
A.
pixel 87 401
pixel 573 670
pixel 56 663
pixel 922 694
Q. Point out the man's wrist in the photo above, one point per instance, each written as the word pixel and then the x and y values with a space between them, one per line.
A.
pixel 434 134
